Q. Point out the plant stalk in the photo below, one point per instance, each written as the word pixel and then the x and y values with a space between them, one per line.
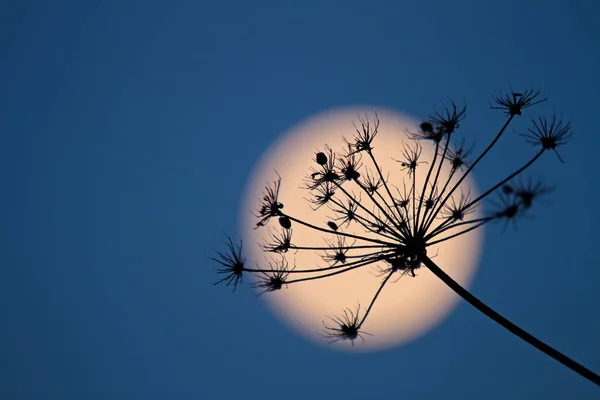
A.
pixel 514 329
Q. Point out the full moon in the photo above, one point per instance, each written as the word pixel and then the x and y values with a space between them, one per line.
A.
pixel 407 307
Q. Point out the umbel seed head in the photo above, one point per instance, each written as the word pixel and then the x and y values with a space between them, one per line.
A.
pixel 394 232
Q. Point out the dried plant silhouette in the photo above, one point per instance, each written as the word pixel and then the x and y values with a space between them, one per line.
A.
pixel 400 221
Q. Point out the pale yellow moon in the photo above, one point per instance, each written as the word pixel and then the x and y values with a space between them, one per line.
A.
pixel 405 309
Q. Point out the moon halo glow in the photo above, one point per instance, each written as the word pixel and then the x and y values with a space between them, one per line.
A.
pixel 406 308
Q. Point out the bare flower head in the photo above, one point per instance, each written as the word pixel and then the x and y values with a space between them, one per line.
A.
pixel 347 211
pixel 400 263
pixel 507 207
pixel 278 242
pixel 391 225
pixel 429 201
pixel 326 174
pixel 458 158
pixel 549 134
pixel 440 124
pixel 338 251
pixel 525 192
pixel 426 131
pixel 323 194
pixel 275 276
pixel 269 206
pixel 410 160
pixel 349 164
pixel 344 327
pixel 457 209
pixel 529 191
pixel 403 199
pixel 232 264
pixel 372 182
pixel 447 121
pixel 513 103
pixel 366 130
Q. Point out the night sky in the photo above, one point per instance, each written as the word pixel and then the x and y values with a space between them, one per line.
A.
pixel 128 130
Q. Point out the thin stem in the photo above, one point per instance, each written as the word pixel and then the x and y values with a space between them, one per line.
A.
pixel 382 209
pixel 369 226
pixel 508 178
pixel 365 257
pixel 401 228
pixel 437 145
pixel 357 265
pixel 364 221
pixel 437 175
pixel 443 227
pixel 332 232
pixel 432 215
pixel 481 197
pixel 512 328
pixel 370 153
pixel 375 298
pixel 414 214
pixel 293 247
pixel 462 178
pixel 367 210
pixel 459 233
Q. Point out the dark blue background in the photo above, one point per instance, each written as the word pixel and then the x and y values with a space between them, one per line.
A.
pixel 127 130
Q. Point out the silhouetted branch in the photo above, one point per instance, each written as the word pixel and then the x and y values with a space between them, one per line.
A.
pixel 512 328
pixel 392 234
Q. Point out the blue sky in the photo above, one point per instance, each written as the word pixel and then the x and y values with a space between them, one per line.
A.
pixel 128 130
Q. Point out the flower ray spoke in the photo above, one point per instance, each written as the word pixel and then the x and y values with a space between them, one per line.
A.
pixel 341 271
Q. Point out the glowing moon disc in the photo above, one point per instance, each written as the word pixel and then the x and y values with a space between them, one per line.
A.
pixel 405 309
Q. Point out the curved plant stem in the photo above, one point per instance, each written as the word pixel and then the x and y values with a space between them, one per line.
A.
pixel 387 278
pixel 514 329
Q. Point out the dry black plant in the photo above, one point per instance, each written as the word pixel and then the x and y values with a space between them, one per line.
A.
pixel 399 229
